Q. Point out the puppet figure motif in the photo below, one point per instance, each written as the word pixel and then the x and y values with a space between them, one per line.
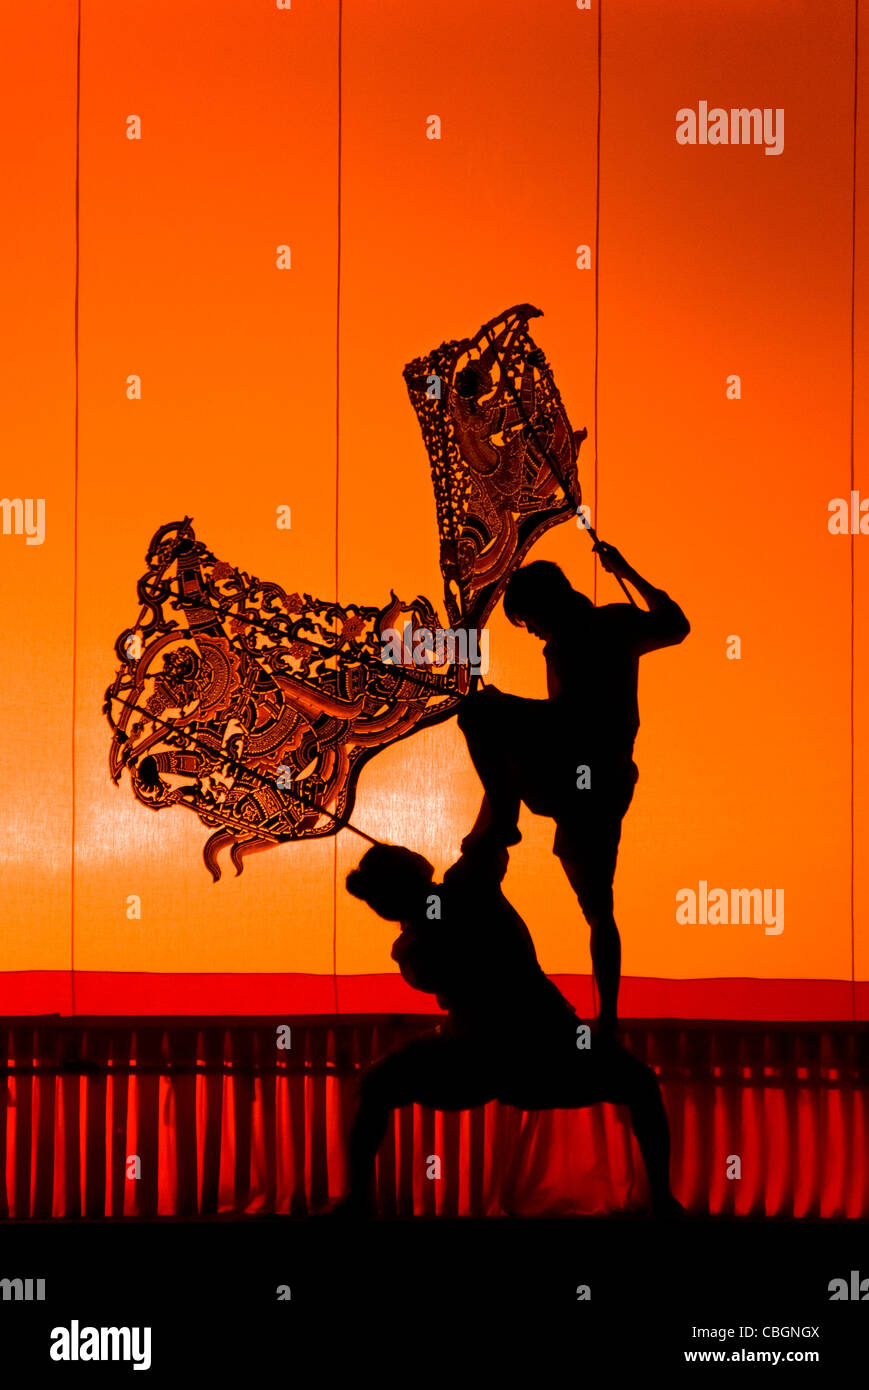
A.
pixel 256 708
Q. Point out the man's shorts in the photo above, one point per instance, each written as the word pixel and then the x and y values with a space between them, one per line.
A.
pixel 589 824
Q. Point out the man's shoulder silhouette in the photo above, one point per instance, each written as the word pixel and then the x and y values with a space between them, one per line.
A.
pixel 620 625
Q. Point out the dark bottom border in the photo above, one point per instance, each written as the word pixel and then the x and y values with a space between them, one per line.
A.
pixel 208 1290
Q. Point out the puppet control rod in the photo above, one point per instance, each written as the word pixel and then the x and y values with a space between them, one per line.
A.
pixel 596 546
pixel 173 736
pixel 537 359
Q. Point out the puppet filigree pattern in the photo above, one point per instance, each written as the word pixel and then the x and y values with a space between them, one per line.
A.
pixel 503 455
pixel 255 708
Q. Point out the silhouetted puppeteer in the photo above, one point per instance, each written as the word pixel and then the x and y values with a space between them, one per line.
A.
pixel 510 1035
pixel 587 725
pixel 257 708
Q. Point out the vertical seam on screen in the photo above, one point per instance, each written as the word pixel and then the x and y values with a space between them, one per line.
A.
pixel 337 479
pixel 75 513
pixel 851 448
pixel 596 326
pixel 597 281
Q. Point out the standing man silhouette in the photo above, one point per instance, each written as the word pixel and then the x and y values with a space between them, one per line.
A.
pixel 570 756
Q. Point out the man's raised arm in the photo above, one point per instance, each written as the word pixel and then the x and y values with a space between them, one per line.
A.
pixel 665 624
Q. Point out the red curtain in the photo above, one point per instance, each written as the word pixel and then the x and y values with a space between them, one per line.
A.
pixel 222 1120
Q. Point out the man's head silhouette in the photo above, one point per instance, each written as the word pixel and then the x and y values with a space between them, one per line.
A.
pixel 538 595
pixel 392 880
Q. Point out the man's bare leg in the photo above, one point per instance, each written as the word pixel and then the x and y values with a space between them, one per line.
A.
pixel 595 899
pixel 499 813
pixel 641 1092
pixel 606 962
pixel 431 1070
pixel 366 1136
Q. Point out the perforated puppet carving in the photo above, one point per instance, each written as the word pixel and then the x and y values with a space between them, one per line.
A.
pixel 257 708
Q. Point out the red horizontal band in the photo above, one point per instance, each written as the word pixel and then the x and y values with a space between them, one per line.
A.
pixel 134 994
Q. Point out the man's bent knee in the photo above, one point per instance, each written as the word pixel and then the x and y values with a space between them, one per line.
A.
pixel 382 1086
pixel 599 916
pixel 641 1080
pixel 630 1081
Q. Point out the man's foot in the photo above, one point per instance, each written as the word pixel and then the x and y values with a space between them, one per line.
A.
pixel 494 837
pixel 346 1210
pixel 668 1209
pixel 606 1029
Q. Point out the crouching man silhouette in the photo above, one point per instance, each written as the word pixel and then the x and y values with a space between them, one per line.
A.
pixel 510 1035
